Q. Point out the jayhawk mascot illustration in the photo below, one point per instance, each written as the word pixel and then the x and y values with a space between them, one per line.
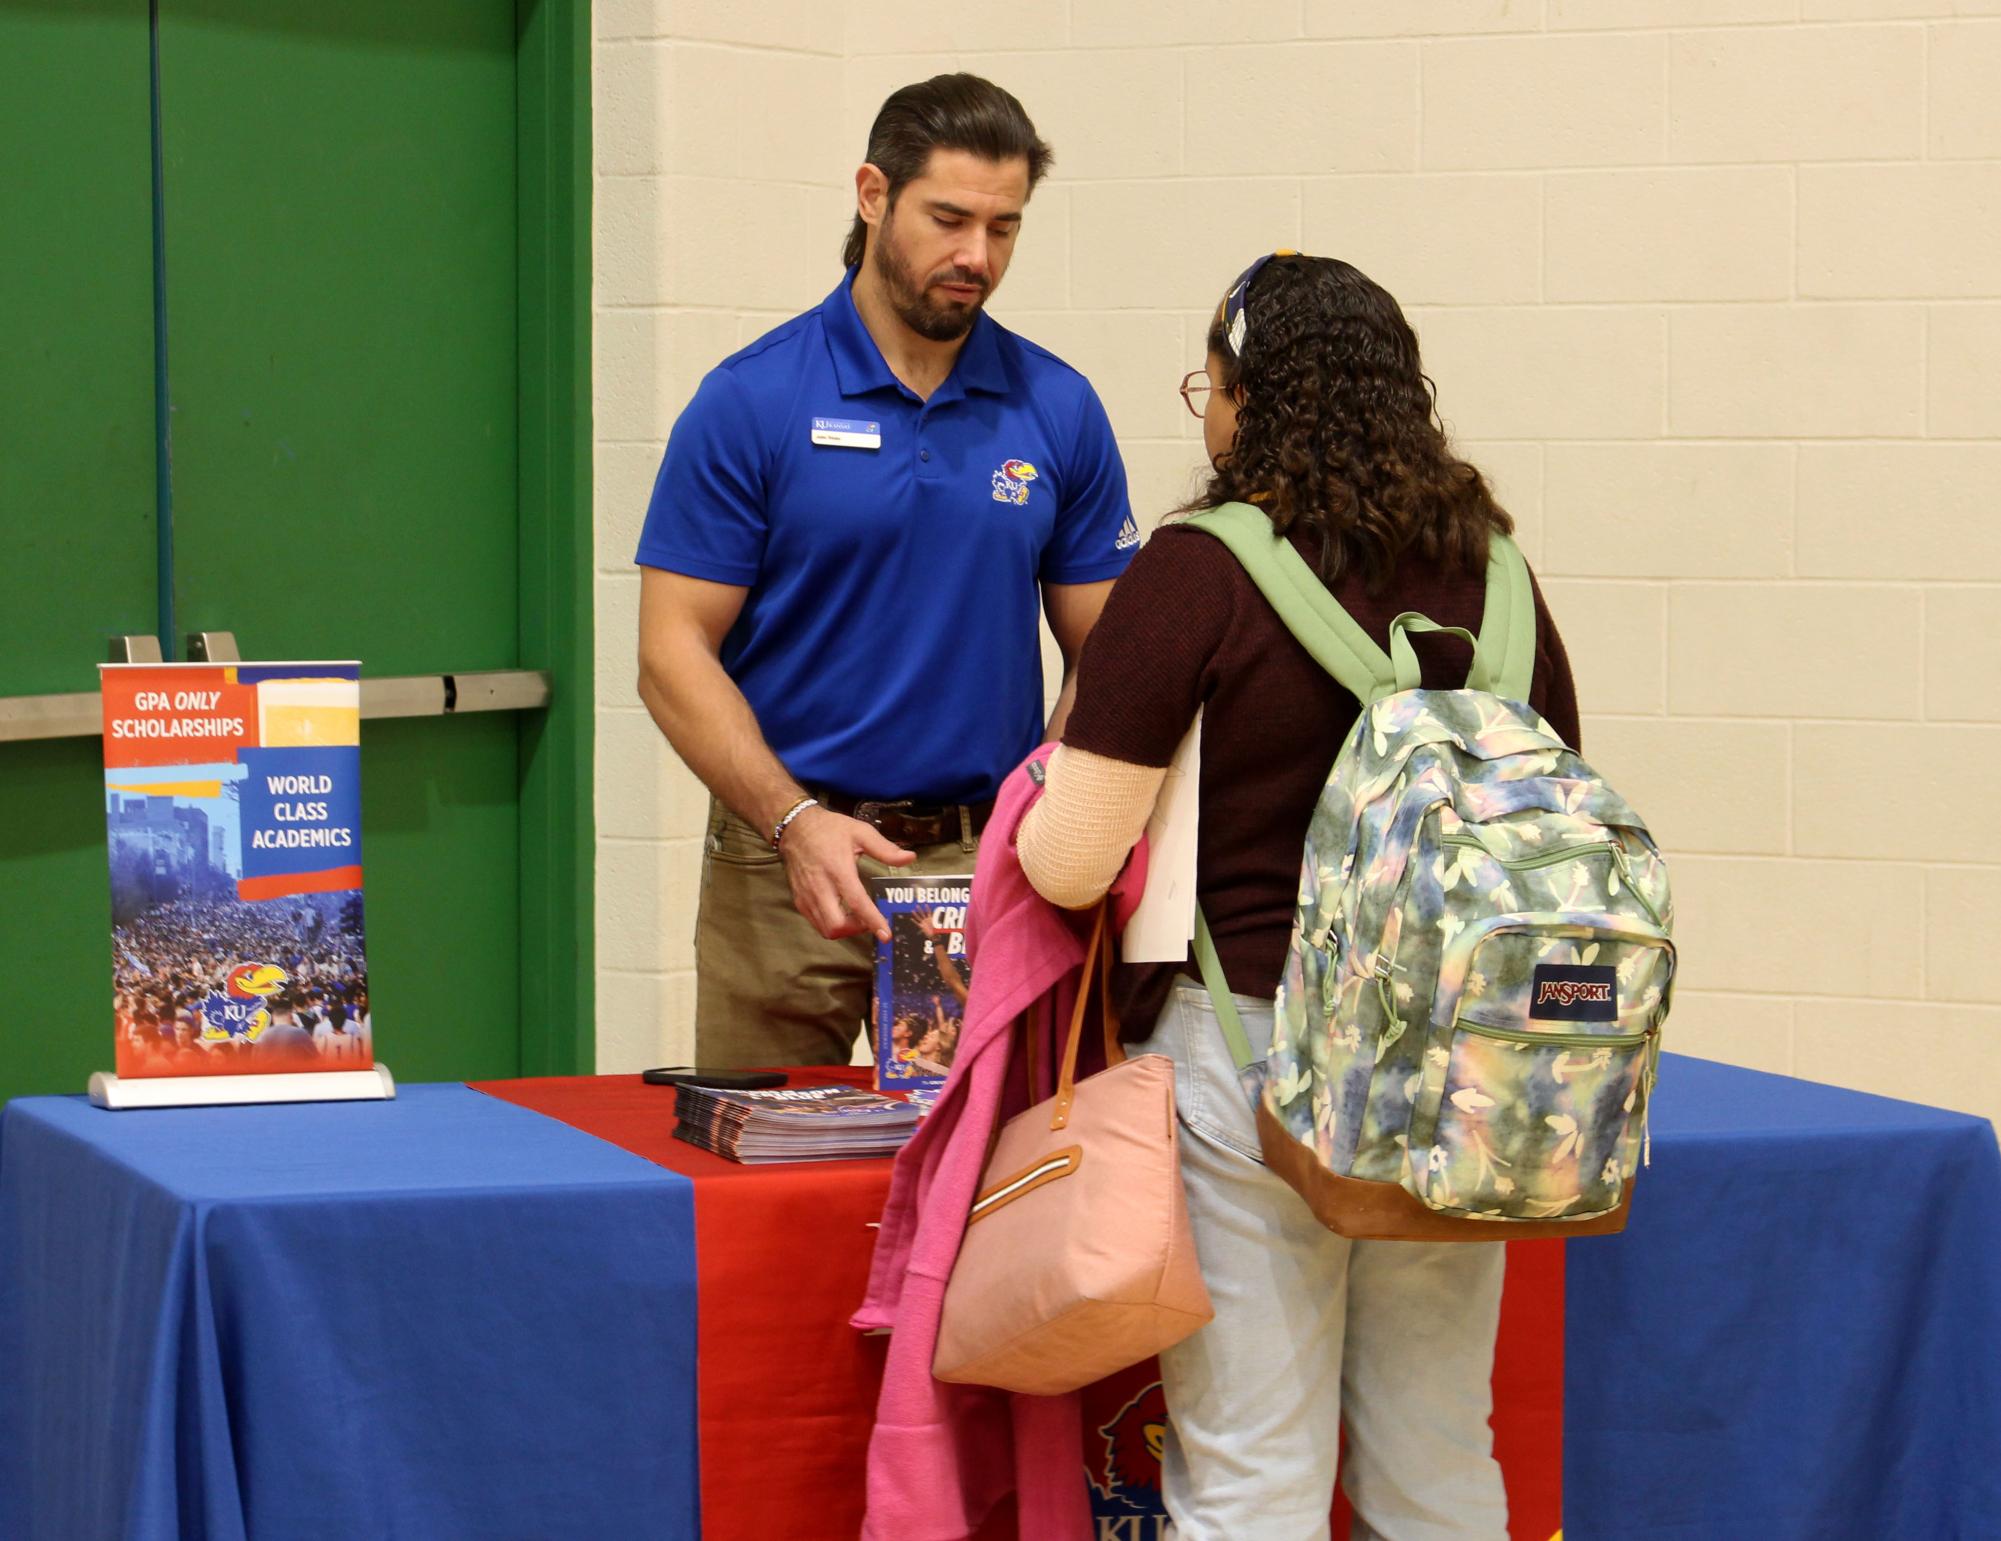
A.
pixel 238 1010
pixel 1132 1448
pixel 1011 481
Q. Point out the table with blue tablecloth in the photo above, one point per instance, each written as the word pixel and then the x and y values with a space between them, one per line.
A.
pixel 456 1315
pixel 433 1318
pixel 1799 1332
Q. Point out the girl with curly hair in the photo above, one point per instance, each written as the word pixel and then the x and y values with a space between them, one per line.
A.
pixel 1315 408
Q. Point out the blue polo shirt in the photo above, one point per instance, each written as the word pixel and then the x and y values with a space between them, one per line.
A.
pixel 892 546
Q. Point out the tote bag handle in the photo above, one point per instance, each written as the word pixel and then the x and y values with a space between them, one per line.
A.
pixel 1098 971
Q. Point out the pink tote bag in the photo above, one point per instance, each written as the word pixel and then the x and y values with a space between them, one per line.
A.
pixel 1077 1259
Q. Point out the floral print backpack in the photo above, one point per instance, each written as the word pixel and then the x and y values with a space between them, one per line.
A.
pixel 1468 1025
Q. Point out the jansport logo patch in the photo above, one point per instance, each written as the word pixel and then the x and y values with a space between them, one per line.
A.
pixel 1011 481
pixel 1574 992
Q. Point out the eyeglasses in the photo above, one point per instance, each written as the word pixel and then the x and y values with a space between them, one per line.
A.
pixel 1195 388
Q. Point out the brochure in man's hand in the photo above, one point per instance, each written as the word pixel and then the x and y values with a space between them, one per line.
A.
pixel 793 1123
pixel 921 980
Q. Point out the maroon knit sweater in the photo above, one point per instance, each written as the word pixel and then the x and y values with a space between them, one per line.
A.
pixel 1186 628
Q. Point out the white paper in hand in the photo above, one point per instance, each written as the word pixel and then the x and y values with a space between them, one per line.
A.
pixel 1164 923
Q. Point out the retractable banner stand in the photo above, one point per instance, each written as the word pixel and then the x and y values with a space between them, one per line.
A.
pixel 232 808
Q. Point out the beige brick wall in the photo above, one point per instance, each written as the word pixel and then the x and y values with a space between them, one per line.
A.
pixel 1711 287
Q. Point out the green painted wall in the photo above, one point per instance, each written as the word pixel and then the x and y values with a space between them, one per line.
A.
pixel 76 495
pixel 361 332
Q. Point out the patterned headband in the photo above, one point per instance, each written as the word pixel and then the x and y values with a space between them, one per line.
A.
pixel 1234 321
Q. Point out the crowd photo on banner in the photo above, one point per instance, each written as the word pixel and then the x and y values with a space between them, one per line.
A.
pixel 176 977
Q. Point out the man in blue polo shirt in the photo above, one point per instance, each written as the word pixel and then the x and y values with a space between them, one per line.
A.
pixel 857 522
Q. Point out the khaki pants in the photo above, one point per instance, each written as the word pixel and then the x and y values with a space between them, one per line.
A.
pixel 769 989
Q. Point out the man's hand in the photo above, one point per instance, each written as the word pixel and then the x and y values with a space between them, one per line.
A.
pixel 820 848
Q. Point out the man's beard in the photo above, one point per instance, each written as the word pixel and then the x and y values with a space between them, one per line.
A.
pixel 907 297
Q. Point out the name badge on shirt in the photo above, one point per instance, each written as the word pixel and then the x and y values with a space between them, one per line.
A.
pixel 847 433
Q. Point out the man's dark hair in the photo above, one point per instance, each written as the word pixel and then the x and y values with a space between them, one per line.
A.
pixel 946 112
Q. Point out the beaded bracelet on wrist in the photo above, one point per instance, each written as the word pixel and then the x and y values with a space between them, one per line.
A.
pixel 778 830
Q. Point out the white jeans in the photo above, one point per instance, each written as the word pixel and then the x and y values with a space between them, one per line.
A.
pixel 1397 1337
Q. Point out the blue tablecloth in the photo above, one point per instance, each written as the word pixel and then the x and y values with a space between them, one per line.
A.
pixel 449 1317
pixel 432 1318
pixel 1799 1333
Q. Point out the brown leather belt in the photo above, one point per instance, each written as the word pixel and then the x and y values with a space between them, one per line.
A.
pixel 908 822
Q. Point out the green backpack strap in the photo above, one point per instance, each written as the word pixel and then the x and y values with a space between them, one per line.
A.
pixel 1507 629
pixel 1219 993
pixel 1504 652
pixel 1410 673
pixel 1331 635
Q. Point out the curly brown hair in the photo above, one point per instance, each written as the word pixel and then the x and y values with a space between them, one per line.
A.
pixel 1337 428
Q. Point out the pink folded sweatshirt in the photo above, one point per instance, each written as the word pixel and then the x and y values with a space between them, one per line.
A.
pixel 941 1456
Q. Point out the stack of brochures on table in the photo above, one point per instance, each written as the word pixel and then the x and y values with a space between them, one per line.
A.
pixel 793 1123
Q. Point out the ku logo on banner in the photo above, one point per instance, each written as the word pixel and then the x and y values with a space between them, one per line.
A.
pixel 1011 482
pixel 238 1009
pixel 1125 1481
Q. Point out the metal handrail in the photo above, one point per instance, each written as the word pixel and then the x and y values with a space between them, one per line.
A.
pixel 80 714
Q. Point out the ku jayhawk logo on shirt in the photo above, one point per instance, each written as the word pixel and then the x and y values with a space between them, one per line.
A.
pixel 1011 481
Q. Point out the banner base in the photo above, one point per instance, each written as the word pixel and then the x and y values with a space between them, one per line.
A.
pixel 196 1091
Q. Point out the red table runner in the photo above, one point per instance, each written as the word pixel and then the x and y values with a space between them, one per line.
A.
pixel 788 1389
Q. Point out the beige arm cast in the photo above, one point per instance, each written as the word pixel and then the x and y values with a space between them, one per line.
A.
pixel 1093 810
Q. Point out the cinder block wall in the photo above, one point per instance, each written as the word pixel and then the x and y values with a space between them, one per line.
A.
pixel 1712 289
